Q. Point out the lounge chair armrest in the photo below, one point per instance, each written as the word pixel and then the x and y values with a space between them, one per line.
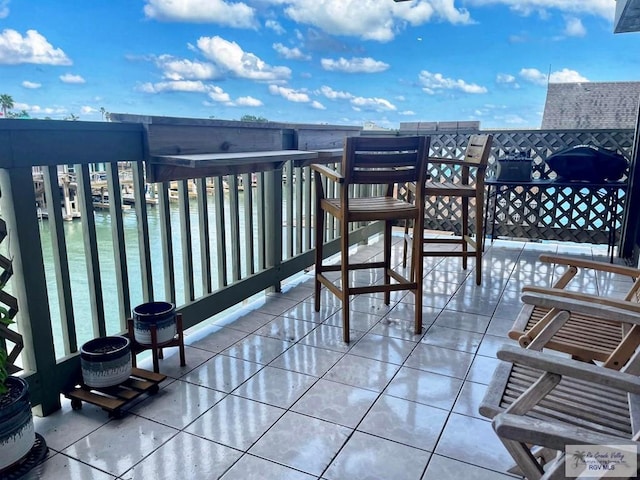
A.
pixel 330 173
pixel 621 311
pixel 571 368
pixel 591 264
pixel 551 434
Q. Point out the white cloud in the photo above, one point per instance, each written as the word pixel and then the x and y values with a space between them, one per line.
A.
pixel 290 94
pixel 370 19
pixel 230 57
pixel 38 110
pixel 275 26
pixel 574 27
pixel 407 113
pixel 87 110
pixel 32 48
pixel 420 12
pixel 332 94
pixel 566 76
pixel 248 102
pixel 4 8
pixel 233 14
pixel 71 78
pixel 433 82
pixel 147 87
pixel 533 75
pixel 217 94
pixel 354 65
pixel 359 104
pixel 507 79
pixel 372 104
pixel 214 92
pixel 602 8
pixel 290 53
pixel 32 85
pixel 182 69
pixel 317 105
pixel 174 86
pixel 511 119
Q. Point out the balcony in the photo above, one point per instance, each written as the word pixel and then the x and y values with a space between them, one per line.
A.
pixel 272 392
pixel 269 387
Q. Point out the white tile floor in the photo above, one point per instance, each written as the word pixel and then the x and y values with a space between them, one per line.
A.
pixel 272 392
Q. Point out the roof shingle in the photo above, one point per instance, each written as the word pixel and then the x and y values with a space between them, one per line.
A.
pixel 591 105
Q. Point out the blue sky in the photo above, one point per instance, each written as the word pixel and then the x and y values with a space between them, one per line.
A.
pixel 307 61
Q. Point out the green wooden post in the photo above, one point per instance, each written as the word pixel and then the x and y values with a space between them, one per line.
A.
pixel 60 258
pixel 118 239
pixel 34 316
pixel 185 239
pixel 166 242
pixel 143 231
pixel 273 222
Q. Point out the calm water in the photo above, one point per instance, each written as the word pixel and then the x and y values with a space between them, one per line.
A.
pixel 78 269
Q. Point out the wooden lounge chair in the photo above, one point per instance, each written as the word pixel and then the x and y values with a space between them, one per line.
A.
pixel 585 336
pixel 516 432
pixel 542 404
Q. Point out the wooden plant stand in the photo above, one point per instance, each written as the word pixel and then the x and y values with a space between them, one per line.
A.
pixel 155 347
pixel 112 399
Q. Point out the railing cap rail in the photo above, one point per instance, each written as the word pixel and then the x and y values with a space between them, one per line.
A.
pixel 66 125
pixel 213 122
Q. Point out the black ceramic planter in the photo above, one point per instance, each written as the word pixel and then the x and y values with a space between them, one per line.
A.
pixel 162 315
pixel 106 361
pixel 17 435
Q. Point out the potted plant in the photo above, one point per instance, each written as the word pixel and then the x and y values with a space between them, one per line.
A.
pixel 20 447
pixel 105 361
pixel 17 435
pixel 158 315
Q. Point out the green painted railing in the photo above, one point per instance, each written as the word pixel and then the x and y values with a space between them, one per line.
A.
pixel 207 243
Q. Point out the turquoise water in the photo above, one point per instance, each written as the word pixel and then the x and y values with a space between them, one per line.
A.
pixel 78 269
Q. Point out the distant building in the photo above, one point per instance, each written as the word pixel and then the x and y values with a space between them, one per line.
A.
pixel 591 105
pixel 422 127
pixel 373 126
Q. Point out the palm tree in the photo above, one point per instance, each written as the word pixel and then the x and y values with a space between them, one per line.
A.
pixel 6 103
pixel 105 114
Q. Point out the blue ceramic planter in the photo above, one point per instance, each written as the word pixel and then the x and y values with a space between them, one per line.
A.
pixel 17 435
pixel 160 314
pixel 106 361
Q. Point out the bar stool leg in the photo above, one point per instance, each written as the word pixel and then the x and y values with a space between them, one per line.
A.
pixel 183 360
pixel 154 348
pixel 134 345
